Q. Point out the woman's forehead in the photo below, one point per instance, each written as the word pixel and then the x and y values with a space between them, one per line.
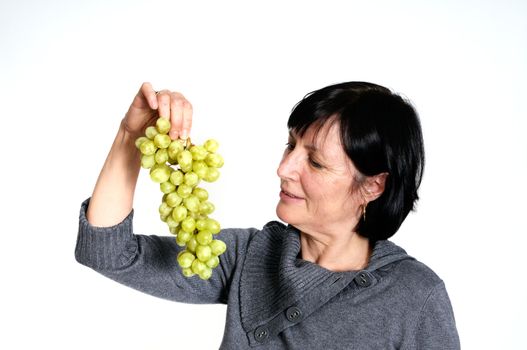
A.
pixel 325 140
pixel 319 135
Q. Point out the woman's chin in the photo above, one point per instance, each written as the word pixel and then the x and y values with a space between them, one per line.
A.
pixel 283 214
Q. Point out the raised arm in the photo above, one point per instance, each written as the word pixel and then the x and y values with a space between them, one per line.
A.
pixel 112 198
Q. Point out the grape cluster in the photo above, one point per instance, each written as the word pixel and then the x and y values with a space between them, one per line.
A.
pixel 179 166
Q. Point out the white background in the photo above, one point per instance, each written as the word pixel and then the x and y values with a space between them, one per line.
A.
pixel 69 69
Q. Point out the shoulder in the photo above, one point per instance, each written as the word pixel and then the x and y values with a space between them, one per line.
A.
pixel 243 236
pixel 413 272
pixel 272 236
pixel 407 275
pixel 238 240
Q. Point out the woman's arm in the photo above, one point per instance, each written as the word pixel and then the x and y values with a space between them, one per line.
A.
pixel 436 326
pixel 149 264
pixel 112 198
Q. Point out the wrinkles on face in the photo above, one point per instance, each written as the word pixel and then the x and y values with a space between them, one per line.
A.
pixel 316 168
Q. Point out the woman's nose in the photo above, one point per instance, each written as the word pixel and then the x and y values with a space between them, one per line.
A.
pixel 289 166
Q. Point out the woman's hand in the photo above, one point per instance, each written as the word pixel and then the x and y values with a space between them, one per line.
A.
pixel 148 104
pixel 112 197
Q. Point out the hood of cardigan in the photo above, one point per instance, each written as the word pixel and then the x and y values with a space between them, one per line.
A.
pixel 274 278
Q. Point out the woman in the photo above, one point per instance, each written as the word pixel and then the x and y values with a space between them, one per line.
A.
pixel 329 279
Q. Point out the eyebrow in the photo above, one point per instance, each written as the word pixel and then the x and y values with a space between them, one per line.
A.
pixel 312 148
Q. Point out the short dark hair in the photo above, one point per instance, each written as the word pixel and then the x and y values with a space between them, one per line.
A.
pixel 380 132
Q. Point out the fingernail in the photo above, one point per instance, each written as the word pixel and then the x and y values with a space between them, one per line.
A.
pixel 173 135
pixel 184 134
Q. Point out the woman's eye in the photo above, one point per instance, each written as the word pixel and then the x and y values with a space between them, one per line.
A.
pixel 314 164
pixel 289 146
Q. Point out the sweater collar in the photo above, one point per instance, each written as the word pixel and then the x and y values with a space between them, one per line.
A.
pixel 273 277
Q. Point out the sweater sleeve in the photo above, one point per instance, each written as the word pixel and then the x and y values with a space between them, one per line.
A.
pixel 436 328
pixel 148 263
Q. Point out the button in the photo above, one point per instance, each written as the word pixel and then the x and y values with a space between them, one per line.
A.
pixel 261 334
pixel 293 314
pixel 363 279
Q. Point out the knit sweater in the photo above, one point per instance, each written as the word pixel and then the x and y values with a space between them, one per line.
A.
pixel 275 300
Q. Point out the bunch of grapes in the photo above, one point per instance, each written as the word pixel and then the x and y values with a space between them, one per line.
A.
pixel 179 166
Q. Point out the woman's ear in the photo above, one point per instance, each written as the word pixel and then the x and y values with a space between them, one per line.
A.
pixel 374 186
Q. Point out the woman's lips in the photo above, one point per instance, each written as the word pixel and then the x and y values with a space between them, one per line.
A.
pixel 289 196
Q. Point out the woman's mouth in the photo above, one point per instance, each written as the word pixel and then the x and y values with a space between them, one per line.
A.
pixel 289 196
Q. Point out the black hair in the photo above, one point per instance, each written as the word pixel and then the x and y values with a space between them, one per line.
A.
pixel 380 132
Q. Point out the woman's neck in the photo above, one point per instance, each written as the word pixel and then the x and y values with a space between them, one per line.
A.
pixel 341 252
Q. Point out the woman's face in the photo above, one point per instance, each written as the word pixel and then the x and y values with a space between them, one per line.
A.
pixel 316 181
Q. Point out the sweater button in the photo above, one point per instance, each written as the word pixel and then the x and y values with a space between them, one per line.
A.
pixel 261 334
pixel 293 314
pixel 363 279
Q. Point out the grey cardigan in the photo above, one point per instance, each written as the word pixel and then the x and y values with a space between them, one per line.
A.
pixel 276 300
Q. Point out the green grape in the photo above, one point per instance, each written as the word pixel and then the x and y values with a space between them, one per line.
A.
pixel 185 259
pixel 184 235
pixel 192 203
pixel 200 168
pixel 187 272
pixel 162 141
pixel 218 247
pixel 211 145
pixel 174 148
pixel 163 125
pixel 188 224
pixel 213 160
pixel 148 147
pixel 198 266
pixel 200 224
pixel 184 190
pixel 204 237
pixel 199 164
pixel 179 213
pixel 147 161
pixel 186 168
pixel 160 173
pixel 213 226
pixel 206 208
pixel 198 152
pixel 165 209
pixel 179 166
pixel 177 177
pixel 201 193
pixel 213 262
pixel 212 175
pixel 140 140
pixel 171 222
pixel 203 252
pixel 173 199
pixel 206 273
pixel 151 132
pixel 161 156
pixel 191 179
pixel 184 159
pixel 167 187
pixel 180 242
pixel 192 244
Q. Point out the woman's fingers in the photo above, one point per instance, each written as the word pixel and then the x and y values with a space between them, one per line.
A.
pixel 176 115
pixel 187 119
pixel 149 94
pixel 173 106
pixel 163 102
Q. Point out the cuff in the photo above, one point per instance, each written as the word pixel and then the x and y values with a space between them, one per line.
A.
pixel 105 248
